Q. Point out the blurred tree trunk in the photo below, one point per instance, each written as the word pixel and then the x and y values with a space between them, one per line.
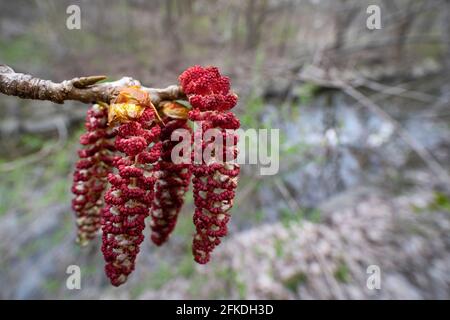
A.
pixel 344 13
pixel 254 16
pixel 289 11
pixel 401 28
pixel 171 18
pixel 445 33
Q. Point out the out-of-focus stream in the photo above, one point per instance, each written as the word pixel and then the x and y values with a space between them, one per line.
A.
pixel 333 144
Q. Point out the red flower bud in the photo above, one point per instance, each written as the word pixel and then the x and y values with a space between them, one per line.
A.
pixel 89 179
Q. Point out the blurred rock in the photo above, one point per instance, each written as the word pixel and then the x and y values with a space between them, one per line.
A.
pixel 329 260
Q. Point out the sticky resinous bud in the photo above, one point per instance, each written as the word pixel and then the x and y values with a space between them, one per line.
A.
pixel 129 105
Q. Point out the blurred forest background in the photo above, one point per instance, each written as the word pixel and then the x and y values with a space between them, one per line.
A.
pixel 364 122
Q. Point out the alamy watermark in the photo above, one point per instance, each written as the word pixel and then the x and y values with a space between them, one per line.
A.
pixel 373 21
pixel 73 281
pixel 253 146
pixel 374 278
pixel 73 21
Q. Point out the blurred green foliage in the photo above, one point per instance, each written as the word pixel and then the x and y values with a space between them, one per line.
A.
pixel 40 185
pixel 293 282
pixel 342 273
pixel 25 48
pixel 306 92
pixel 254 105
pixel 441 201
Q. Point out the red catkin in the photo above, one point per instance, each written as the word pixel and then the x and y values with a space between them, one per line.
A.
pixel 92 168
pixel 131 194
pixel 214 181
pixel 171 185
pixel 129 147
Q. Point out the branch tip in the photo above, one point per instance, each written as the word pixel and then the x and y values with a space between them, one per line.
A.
pixel 84 82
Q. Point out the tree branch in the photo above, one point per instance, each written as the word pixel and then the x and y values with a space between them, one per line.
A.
pixel 332 80
pixel 83 89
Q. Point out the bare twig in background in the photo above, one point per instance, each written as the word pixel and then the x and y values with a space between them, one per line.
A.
pixel 330 279
pixel 331 80
pixel 428 158
pixel 41 154
pixel 246 191
pixel 395 90
pixel 83 89
pixel 291 201
pixel 402 90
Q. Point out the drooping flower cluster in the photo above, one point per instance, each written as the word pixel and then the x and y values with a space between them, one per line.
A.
pixel 129 147
pixel 131 193
pixel 172 183
pixel 215 179
pixel 89 179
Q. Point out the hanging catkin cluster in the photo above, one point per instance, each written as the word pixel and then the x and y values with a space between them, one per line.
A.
pixel 214 180
pixel 172 183
pixel 91 170
pixel 127 171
